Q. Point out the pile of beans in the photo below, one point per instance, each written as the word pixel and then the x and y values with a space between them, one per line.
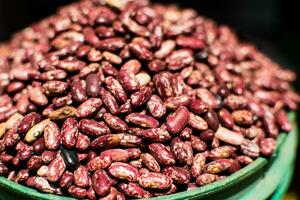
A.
pixel 124 99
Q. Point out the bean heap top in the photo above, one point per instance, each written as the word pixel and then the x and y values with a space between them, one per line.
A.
pixel 125 99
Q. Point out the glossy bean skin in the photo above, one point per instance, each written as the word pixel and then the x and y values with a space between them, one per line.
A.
pixel 177 121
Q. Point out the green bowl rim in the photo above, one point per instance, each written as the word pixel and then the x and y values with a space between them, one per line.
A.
pixel 199 192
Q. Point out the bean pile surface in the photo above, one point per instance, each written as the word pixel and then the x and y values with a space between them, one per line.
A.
pixel 126 99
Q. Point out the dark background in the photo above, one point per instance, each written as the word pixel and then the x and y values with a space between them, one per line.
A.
pixel 273 25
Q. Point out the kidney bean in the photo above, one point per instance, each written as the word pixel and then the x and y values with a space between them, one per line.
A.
pixel 142 96
pixel 163 84
pixel 250 148
pixel 91 193
pixel 154 180
pixel 177 121
pixel 81 177
pixel 190 42
pixel 89 108
pixel 128 80
pixel 34 163
pixel 66 180
pixel 283 121
pixel 69 133
pixel 226 118
pixel 225 151
pixel 133 190
pixel 56 169
pixel 77 192
pixel 267 146
pixel 198 144
pixel 48 156
pixel 242 117
pixel 269 124
pixel 179 175
pixel 143 78
pixel 124 171
pixel 163 155
pixel 28 122
pixel 198 164
pixel 43 185
pixel 156 134
pixel 62 101
pixel 36 96
pixel 109 101
pixel 99 162
pixel 92 85
pixel 156 107
pixel 106 141
pixel 39 146
pixel 142 120
pixel 206 178
pixel 198 106
pixel 114 86
pixel 244 160
pixel 11 138
pixel 217 166
pixel 101 183
pixel 134 153
pixel 229 136
pixel 212 120
pixel 150 162
pixel 78 91
pixel 52 88
pixel 126 108
pixel 93 128
pixel 116 155
pixel 52 136
pixel 197 122
pixel 173 103
pixel 234 102
pixel 115 122
pixel 83 142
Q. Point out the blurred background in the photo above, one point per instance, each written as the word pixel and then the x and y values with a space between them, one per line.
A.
pixel 273 25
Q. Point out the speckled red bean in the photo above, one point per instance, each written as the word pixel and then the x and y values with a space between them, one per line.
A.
pixel 267 146
pixel 89 108
pixel 206 178
pixel 156 106
pixel 28 121
pixel 78 91
pixel 128 80
pixel 156 181
pixel 92 85
pixel 133 190
pixel 116 155
pixel 101 183
pixel 93 128
pixel 52 136
pixel 116 89
pixel 142 120
pixel 81 177
pixel 150 162
pixel 109 101
pixel 179 175
pixel 115 122
pixel 162 154
pixel 124 171
pixel 140 97
pixel 177 121
pixel 69 133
